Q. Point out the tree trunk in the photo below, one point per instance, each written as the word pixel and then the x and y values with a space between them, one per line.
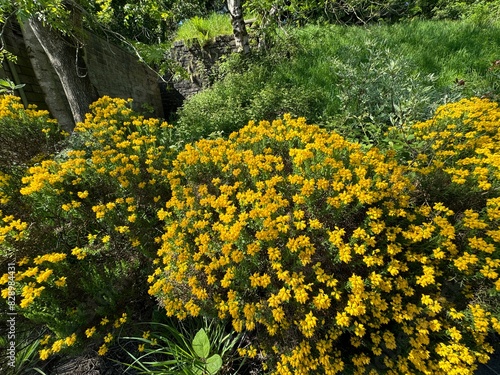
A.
pixel 239 29
pixel 63 57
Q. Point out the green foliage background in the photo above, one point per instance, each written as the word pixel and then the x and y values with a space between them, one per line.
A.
pixel 356 80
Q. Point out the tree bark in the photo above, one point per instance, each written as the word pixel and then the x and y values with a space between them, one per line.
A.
pixel 239 29
pixel 78 89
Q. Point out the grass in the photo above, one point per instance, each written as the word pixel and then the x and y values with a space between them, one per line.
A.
pixel 204 30
pixel 447 49
pixel 432 46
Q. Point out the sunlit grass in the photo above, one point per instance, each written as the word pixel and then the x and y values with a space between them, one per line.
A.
pixel 203 30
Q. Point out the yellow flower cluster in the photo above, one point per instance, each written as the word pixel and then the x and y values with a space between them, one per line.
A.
pixel 290 228
pixel 11 228
pixel 11 107
pixel 120 154
pixel 123 146
pixel 27 134
pixel 35 279
pixel 108 338
pixel 56 346
pixel 463 140
pixel 4 182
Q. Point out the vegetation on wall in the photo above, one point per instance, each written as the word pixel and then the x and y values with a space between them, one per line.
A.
pixel 204 30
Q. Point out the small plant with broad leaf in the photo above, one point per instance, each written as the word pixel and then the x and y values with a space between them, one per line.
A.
pixel 210 364
pixel 173 349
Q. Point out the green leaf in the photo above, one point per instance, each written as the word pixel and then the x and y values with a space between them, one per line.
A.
pixel 214 364
pixel 197 369
pixel 201 344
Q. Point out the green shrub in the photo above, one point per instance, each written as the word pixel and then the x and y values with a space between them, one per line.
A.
pixel 218 109
pixel 382 91
pixel 339 259
pixel 480 12
pixel 229 105
pixel 277 13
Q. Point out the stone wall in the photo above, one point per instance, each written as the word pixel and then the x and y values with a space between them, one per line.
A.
pixel 117 73
pixel 21 72
pixel 199 63
pixel 112 70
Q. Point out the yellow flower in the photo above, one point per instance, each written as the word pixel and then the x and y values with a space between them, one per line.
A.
pixel 428 277
pixel 57 346
pixel 321 301
pixel 89 332
pixel 359 329
pixel 342 319
pixel 44 354
pixel 308 324
pixel 25 260
pixel 45 340
pixel 120 321
pixel 83 194
pixel 70 340
pixel 108 338
pixel 79 253
pixel 103 349
pixel 122 229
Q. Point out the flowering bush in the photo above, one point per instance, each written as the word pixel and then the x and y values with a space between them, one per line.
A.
pixel 333 257
pixel 460 143
pixel 336 258
pixel 25 133
pixel 86 245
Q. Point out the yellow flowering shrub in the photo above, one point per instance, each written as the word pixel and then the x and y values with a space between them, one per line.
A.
pixel 25 133
pixel 87 239
pixel 460 146
pixel 329 255
pixel 459 166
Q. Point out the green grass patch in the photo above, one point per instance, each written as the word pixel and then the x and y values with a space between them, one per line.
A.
pixel 203 30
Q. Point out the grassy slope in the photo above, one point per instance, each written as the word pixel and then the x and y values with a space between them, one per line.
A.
pixel 446 48
pixel 345 76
